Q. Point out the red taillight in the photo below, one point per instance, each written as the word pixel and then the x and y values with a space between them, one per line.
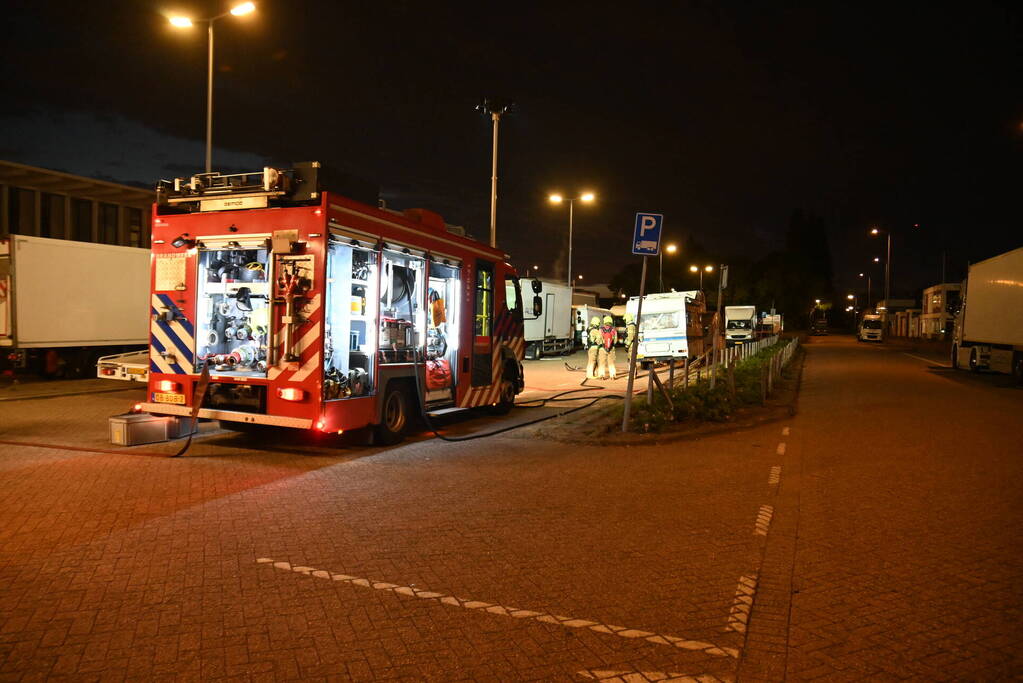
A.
pixel 106 371
pixel 137 408
pixel 290 394
pixel 167 386
pixel 321 425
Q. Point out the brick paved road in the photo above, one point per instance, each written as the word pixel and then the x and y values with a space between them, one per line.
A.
pixel 897 529
pixel 518 559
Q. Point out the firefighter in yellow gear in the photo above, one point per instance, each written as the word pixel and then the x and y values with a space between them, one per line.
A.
pixel 630 332
pixel 592 346
pixel 606 352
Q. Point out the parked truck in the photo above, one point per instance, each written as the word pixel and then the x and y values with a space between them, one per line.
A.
pixel 552 332
pixel 740 324
pixel 581 316
pixel 989 324
pixel 63 304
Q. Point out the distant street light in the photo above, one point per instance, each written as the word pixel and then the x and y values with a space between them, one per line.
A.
pixel 555 198
pixel 185 22
pixel 887 262
pixel 495 107
pixel 867 275
pixel 701 271
pixel 671 249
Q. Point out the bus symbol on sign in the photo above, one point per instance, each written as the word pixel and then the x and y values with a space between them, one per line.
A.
pixel 646 238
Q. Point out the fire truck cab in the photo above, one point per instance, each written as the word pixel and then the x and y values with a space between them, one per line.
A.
pixel 317 312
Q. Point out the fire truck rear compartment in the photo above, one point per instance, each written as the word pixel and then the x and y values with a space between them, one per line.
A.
pixel 246 398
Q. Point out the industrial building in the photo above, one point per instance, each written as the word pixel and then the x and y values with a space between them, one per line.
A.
pixel 44 203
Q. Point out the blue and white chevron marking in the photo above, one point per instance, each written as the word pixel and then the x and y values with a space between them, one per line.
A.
pixel 176 337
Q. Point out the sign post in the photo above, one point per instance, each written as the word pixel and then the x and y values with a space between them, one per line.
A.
pixel 719 323
pixel 646 241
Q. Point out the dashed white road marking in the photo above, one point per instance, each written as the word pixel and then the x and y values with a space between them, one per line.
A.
pixel 927 360
pixel 645 676
pixel 738 618
pixel 781 448
pixel 505 611
pixel 764 520
pixel 775 475
pixel 784 431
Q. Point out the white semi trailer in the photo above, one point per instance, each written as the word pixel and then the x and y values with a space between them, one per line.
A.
pixel 64 304
pixel 989 326
pixel 740 324
pixel 551 332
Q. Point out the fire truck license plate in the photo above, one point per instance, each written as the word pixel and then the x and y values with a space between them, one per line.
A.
pixel 169 398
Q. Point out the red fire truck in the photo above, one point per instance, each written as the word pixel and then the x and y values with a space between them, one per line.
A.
pixel 317 312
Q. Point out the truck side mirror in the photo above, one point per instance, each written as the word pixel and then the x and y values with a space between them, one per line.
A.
pixel 537 305
pixel 537 286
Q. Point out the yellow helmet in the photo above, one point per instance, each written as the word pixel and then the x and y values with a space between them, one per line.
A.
pixel 608 320
pixel 595 321
pixel 628 318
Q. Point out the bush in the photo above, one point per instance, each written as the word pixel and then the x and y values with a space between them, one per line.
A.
pixel 700 402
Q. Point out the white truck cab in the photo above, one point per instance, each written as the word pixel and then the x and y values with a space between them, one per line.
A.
pixel 871 328
pixel 740 324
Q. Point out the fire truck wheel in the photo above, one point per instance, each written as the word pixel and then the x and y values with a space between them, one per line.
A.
pixel 395 417
pixel 505 400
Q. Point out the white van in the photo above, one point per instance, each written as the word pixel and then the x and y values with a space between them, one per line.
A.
pixel 871 328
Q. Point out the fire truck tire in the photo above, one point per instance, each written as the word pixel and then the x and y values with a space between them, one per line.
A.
pixel 394 416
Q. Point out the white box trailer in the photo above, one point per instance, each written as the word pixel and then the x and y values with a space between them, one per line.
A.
pixel 64 304
pixel 989 326
pixel 740 324
pixel 552 332
pixel 669 324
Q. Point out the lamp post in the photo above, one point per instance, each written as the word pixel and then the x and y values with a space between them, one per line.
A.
pixel 185 22
pixel 495 108
pixel 671 249
pixel 887 262
pixel 701 271
pixel 867 275
pixel 556 198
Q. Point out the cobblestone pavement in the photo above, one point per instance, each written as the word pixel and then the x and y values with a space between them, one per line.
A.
pixel 875 535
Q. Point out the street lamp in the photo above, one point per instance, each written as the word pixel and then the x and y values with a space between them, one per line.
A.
pixel 701 271
pixel 671 249
pixel 495 107
pixel 556 198
pixel 185 22
pixel 867 275
pixel 887 262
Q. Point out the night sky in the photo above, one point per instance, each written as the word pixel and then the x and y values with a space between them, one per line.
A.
pixel 723 116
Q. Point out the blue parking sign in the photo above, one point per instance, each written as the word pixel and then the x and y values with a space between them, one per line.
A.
pixel 646 238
